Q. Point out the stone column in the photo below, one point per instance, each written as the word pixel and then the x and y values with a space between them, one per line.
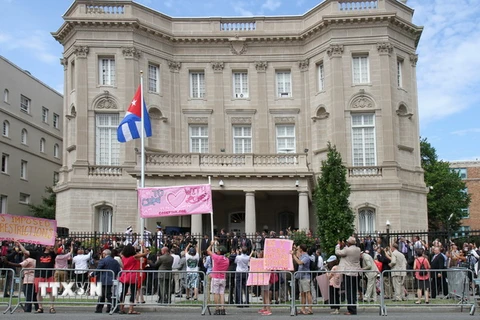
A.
pixel 262 127
pixel 132 81
pixel 303 217
pixel 250 214
pixel 384 50
pixel 196 225
pixel 218 129
pixel 335 52
pixel 81 80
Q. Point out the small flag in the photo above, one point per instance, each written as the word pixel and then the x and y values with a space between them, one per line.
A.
pixel 130 127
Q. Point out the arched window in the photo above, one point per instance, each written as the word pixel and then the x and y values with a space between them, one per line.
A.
pixel 56 150
pixel 42 145
pixel 5 95
pixel 24 136
pixel 105 218
pixel 366 220
pixel 6 128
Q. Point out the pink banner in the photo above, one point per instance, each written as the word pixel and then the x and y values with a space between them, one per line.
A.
pixel 174 201
pixel 277 255
pixel 257 275
pixel 28 229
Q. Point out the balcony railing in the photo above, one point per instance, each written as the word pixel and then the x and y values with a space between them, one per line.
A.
pixel 238 26
pixel 349 5
pixel 365 171
pixel 105 171
pixel 105 9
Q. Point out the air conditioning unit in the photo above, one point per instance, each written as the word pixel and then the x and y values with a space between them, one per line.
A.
pixel 241 95
pixel 284 94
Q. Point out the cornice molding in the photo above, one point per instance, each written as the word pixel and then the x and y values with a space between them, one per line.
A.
pixel 261 66
pixel 131 52
pixel 335 50
pixel 81 51
pixel 217 66
pixel 174 66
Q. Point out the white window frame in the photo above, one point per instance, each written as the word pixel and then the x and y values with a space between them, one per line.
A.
pixel 198 133
pixel 283 137
pixel 56 150
pixel 3 203
pixel 56 177
pixel 23 170
pixel 5 95
pixel 321 76
pixel 242 139
pixel 42 145
pixel 362 63
pixel 106 71
pixel 24 198
pixel 56 121
pixel 366 220
pixel 106 125
pixel 197 84
pixel 24 137
pixel 400 73
pixel 44 115
pixel 462 173
pixel 6 128
pixel 153 78
pixel 105 219
pixel 4 164
pixel 25 104
pixel 240 84
pixel 283 83
pixel 363 130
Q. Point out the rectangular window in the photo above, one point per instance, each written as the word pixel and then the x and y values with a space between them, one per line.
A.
pixel 285 138
pixel 242 139
pixel 240 85
pixel 44 115
pixel 321 77
pixel 25 104
pixel 107 71
pixel 56 120
pixel 462 172
pixel 360 70
pixel 153 78
pixel 72 75
pixel 107 148
pixel 197 84
pixel 400 73
pixel 23 169
pixel 199 139
pixel 24 198
pixel 4 163
pixel 3 203
pixel 56 177
pixel 363 140
pixel 284 84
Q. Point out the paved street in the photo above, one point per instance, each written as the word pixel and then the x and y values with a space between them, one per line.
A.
pixel 82 313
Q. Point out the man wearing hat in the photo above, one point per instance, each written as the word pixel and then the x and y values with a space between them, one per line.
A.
pixel 128 236
pixel 159 236
pixel 350 264
pixel 372 272
pixel 220 265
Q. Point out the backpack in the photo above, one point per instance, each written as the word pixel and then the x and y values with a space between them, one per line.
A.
pixel 314 264
pixel 422 272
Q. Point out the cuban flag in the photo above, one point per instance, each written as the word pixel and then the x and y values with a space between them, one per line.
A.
pixel 131 125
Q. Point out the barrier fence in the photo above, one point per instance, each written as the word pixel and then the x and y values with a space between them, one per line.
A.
pixel 285 292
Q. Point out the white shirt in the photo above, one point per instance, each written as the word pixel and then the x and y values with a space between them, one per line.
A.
pixel 81 262
pixel 176 261
pixel 242 261
pixel 192 262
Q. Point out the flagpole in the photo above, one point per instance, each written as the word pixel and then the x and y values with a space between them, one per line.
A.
pixel 211 212
pixel 142 146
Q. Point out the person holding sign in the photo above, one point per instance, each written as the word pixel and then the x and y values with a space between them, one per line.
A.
pixel 220 265
pixel 45 263
pixel 301 258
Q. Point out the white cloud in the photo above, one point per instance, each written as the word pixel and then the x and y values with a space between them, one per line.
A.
pixel 448 57
pixel 38 42
pixel 239 7
pixel 465 131
pixel 271 5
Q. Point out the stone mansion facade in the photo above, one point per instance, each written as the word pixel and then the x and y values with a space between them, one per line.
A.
pixel 250 102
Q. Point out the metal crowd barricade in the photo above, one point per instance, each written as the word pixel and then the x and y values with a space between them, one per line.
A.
pixel 452 287
pixel 357 289
pixel 82 288
pixel 161 288
pixel 239 293
pixel 7 287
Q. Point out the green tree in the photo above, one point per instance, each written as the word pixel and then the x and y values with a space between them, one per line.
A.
pixel 447 192
pixel 47 208
pixel 334 215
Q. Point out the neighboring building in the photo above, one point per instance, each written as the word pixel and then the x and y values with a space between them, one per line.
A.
pixel 31 114
pixel 249 101
pixel 469 171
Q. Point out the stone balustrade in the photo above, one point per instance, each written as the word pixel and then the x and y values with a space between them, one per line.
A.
pixel 365 172
pixel 355 5
pixel 105 9
pixel 105 171
pixel 238 26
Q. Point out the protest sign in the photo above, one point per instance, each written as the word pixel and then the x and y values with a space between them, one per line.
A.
pixel 174 201
pixel 277 254
pixel 28 229
pixel 257 275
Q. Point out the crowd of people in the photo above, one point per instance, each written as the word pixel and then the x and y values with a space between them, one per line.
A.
pixel 187 267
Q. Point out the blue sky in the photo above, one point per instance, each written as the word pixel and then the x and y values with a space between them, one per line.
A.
pixel 448 70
